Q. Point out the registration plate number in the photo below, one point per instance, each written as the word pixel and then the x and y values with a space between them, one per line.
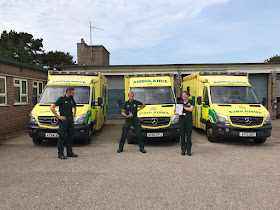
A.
pixel 154 134
pixel 247 134
pixel 51 135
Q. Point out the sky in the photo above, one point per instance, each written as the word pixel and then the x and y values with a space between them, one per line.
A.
pixel 153 31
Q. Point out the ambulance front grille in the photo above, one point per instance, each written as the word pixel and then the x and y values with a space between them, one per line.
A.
pixel 154 121
pixel 49 121
pixel 246 121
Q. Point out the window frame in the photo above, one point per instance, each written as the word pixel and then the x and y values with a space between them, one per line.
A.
pixel 4 94
pixel 38 88
pixel 20 91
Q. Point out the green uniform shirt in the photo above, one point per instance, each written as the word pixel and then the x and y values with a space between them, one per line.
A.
pixel 65 106
pixel 187 114
pixel 131 107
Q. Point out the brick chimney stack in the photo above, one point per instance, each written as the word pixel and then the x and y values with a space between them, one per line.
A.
pixel 96 55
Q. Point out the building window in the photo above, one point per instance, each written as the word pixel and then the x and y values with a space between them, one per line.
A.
pixel 3 91
pixel 20 91
pixel 37 89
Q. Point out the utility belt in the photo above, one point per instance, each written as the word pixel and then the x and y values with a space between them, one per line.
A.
pixel 184 115
pixel 130 118
pixel 68 117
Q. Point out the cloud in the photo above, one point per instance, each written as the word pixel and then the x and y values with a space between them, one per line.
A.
pixel 127 24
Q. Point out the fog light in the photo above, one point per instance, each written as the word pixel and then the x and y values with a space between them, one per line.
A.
pixel 227 129
pixel 82 131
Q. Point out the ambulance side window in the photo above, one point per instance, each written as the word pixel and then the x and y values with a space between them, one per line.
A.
pixel 188 89
pixel 93 97
pixel 206 96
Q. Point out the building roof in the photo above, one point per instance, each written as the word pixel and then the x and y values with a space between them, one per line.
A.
pixel 161 65
pixel 22 65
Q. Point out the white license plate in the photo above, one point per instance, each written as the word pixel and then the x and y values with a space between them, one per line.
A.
pixel 51 135
pixel 246 134
pixel 154 134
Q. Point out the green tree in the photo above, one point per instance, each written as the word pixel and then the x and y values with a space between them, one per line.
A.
pixel 21 47
pixel 274 59
pixel 57 58
pixel 24 48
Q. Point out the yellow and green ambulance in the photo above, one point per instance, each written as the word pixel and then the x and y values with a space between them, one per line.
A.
pixel 91 97
pixel 157 118
pixel 226 106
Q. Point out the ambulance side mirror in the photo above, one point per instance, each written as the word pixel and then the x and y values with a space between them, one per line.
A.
pixel 264 101
pixel 120 102
pixel 34 100
pixel 100 101
pixel 198 100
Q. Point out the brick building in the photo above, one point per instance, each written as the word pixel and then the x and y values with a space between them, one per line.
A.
pixel 96 55
pixel 18 84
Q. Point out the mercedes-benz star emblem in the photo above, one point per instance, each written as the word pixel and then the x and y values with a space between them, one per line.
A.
pixel 54 121
pixel 154 121
pixel 248 120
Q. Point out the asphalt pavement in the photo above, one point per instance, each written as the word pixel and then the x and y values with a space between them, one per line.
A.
pixel 232 174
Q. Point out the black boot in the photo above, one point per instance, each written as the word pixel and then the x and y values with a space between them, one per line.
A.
pixel 183 153
pixel 142 150
pixel 61 156
pixel 120 150
pixel 72 154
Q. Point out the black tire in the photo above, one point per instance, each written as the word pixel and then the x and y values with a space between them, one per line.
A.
pixel 130 140
pixel 176 139
pixel 260 141
pixel 210 133
pixel 37 141
pixel 87 138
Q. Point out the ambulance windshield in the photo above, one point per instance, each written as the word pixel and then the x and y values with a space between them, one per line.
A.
pixel 154 95
pixel 52 93
pixel 233 95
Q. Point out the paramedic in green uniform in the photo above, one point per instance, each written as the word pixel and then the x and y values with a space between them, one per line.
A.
pixel 129 111
pixel 186 124
pixel 66 122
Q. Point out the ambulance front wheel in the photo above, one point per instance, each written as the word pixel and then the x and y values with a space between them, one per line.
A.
pixel 37 141
pixel 88 135
pixel 210 133
pixel 176 139
pixel 260 141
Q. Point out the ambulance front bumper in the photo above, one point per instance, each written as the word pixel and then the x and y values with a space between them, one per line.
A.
pixel 223 131
pixel 170 132
pixel 80 131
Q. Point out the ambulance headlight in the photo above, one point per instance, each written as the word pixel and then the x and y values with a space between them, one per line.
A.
pixel 175 119
pixel 81 119
pixel 267 119
pixel 221 118
pixel 33 119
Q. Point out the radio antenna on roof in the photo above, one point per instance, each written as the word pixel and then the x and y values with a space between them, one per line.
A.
pixel 90 31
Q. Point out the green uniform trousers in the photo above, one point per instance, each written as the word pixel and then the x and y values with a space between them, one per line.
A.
pixel 185 128
pixel 65 131
pixel 135 122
